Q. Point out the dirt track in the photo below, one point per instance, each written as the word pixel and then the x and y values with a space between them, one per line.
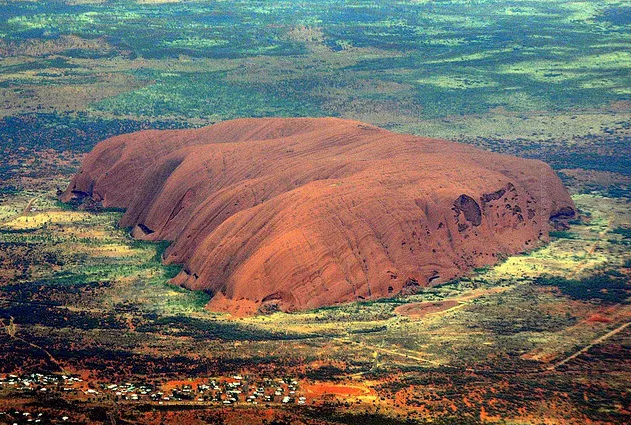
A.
pixel 590 345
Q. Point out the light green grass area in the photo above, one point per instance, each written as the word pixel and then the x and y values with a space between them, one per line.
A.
pixel 460 58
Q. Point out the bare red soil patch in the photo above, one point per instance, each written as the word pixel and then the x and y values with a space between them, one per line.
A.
pixel 598 318
pixel 321 389
pixel 422 309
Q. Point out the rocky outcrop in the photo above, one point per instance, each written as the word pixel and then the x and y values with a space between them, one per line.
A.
pixel 298 213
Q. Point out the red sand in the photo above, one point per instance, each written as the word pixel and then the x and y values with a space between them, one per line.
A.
pixel 333 389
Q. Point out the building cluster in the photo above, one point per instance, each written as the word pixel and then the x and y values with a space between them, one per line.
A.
pixel 17 417
pixel 41 382
pixel 221 390
pixel 26 417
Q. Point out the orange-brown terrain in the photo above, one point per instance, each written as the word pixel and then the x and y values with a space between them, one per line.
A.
pixel 299 213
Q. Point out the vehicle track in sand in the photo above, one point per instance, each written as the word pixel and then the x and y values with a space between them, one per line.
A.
pixel 586 348
pixel 11 329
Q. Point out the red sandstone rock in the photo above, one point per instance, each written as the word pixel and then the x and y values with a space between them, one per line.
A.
pixel 301 213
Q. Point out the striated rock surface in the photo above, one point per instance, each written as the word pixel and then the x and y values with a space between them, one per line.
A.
pixel 301 213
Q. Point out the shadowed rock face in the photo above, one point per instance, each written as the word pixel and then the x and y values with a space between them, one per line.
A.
pixel 301 213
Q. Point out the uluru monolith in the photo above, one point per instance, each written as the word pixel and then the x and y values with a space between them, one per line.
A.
pixel 298 213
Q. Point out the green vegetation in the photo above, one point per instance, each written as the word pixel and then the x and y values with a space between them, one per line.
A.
pixel 97 300
pixel 605 287
pixel 76 132
pixel 546 80
pixel 205 330
pixel 211 96
pixel 625 232
pixel 564 234
pixel 427 59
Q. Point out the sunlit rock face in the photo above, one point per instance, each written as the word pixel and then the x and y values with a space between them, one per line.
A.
pixel 300 213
